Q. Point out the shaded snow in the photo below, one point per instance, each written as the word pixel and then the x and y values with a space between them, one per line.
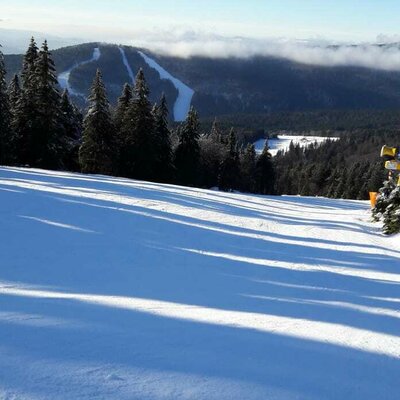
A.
pixel 185 93
pixel 127 65
pixel 63 78
pixel 119 289
pixel 282 142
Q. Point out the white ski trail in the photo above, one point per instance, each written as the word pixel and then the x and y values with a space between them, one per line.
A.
pixel 127 65
pixel 63 78
pixel 185 93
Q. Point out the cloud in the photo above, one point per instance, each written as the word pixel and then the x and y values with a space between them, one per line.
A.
pixel 310 52
pixel 178 41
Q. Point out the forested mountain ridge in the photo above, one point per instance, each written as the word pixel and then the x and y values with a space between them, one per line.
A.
pixel 232 85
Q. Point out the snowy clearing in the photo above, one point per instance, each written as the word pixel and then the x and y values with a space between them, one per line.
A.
pixel 63 78
pixel 282 142
pixel 185 93
pixel 119 289
pixel 127 65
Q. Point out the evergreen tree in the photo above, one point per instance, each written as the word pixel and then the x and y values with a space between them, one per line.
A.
pixel 341 187
pixel 248 168
pixel 382 200
pixel 186 158
pixel 332 183
pixel 29 65
pixel 5 117
pixel 212 152
pixel 48 141
pixel 14 93
pixel 215 133
pixel 229 176
pixel 265 174
pixel 139 143
pixel 71 120
pixel 391 216
pixel 163 158
pixel 25 113
pixel 123 104
pixel 353 183
pixel 97 152
pixel 376 177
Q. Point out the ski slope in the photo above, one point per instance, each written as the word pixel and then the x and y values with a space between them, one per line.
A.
pixel 127 65
pixel 185 93
pixel 282 142
pixel 63 78
pixel 120 289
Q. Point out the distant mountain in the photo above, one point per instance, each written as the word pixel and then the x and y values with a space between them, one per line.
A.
pixel 14 41
pixel 226 86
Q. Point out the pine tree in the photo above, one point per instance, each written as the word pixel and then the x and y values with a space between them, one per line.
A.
pixel 215 133
pixel 212 152
pixel 353 181
pixel 5 117
pixel 123 104
pixel 265 173
pixel 248 168
pixel 341 187
pixel 163 159
pixel 14 93
pixel 25 113
pixel 332 183
pixel 29 64
pixel 71 120
pixel 229 176
pixel 382 200
pixel 186 158
pixel 48 142
pixel 139 144
pixel 391 217
pixel 376 177
pixel 97 152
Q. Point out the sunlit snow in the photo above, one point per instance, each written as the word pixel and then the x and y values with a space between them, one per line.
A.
pixel 119 289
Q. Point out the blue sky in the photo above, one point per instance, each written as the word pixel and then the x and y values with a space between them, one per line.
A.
pixel 350 20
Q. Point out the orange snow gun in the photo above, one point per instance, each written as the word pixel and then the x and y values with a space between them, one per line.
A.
pixel 372 198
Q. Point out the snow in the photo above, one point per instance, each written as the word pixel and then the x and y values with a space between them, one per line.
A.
pixel 63 78
pixel 118 289
pixel 127 65
pixel 282 142
pixel 185 93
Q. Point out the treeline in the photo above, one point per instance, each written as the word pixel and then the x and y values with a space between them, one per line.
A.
pixel 348 168
pixel 41 127
pixel 342 123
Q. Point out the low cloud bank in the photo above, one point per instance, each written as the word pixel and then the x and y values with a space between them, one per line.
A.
pixel 384 54
pixel 313 52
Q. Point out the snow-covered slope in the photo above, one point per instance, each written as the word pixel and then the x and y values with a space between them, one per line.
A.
pixel 127 65
pixel 185 93
pixel 63 78
pixel 119 289
pixel 282 142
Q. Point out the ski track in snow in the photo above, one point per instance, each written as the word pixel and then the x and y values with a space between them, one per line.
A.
pixel 185 93
pixel 120 289
pixel 63 78
pixel 127 65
